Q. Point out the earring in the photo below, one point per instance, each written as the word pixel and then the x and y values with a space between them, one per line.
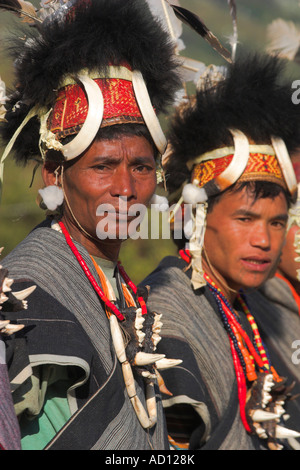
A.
pixel 53 196
pixel 159 203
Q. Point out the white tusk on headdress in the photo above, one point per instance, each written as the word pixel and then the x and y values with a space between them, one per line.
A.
pixel 147 111
pixel 92 123
pixel 239 162
pixel 285 163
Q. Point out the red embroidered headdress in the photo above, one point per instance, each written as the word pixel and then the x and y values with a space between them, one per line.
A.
pixel 240 129
pixel 89 64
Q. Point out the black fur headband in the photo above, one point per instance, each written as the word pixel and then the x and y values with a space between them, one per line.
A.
pixel 94 33
pixel 255 98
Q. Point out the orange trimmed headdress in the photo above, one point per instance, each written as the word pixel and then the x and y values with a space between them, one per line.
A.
pixel 240 129
pixel 86 65
pixel 71 107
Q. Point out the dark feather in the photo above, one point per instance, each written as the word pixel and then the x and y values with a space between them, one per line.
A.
pixel 25 10
pixel 197 25
pixel 10 5
pixel 92 34
pixel 255 97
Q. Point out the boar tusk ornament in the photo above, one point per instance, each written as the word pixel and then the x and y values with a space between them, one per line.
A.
pixel 11 301
pixel 265 410
pixel 145 363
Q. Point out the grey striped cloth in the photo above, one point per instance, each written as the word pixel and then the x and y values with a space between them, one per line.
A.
pixel 193 332
pixel 9 428
pixel 45 259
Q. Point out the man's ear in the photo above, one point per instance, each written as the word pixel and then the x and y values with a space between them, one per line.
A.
pixel 51 173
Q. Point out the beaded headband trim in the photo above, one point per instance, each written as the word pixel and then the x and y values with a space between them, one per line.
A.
pixel 260 166
pixel 225 151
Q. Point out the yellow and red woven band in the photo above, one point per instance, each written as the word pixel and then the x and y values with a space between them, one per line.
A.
pixel 260 167
pixel 71 107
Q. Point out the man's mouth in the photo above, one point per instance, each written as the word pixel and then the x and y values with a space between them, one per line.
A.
pixel 256 263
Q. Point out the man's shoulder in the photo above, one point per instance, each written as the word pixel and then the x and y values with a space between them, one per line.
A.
pixel 165 268
pixel 34 252
pixel 29 242
pixel 171 283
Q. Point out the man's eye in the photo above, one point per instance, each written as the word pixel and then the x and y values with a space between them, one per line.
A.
pixel 101 167
pixel 144 169
pixel 279 224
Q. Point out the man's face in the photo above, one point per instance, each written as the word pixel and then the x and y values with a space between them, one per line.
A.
pixel 108 179
pixel 243 238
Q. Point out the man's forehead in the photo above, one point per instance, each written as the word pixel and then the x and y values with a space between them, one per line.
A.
pixel 245 200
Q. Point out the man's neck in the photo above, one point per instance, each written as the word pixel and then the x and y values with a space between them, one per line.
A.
pixel 108 250
pixel 220 281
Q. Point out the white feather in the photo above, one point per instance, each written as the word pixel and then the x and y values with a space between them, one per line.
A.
pixel 169 21
pixel 50 7
pixel 284 38
pixel 192 69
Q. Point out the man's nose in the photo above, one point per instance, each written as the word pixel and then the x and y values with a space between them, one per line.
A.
pixel 260 236
pixel 123 183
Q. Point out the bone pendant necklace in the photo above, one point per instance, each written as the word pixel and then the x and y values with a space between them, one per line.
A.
pixel 138 354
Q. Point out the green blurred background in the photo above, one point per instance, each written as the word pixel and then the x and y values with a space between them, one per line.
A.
pixel 19 212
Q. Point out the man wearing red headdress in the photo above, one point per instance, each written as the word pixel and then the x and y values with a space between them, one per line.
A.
pixel 228 170
pixel 83 369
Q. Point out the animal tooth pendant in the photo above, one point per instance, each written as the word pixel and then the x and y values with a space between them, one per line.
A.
pixel 11 301
pixel 146 418
pixel 265 410
pixel 145 359
pixel 9 329
pixel 144 334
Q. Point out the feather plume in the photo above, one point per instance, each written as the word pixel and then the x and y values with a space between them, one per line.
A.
pixel 197 25
pixel 249 98
pixel 190 69
pixel 234 37
pixel 127 32
pixel 162 10
pixel 284 39
pixel 25 10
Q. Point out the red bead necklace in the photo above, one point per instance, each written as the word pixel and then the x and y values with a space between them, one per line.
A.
pixel 245 355
pixel 94 283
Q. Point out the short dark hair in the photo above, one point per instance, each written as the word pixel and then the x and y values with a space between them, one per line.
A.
pixel 109 133
pixel 257 189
